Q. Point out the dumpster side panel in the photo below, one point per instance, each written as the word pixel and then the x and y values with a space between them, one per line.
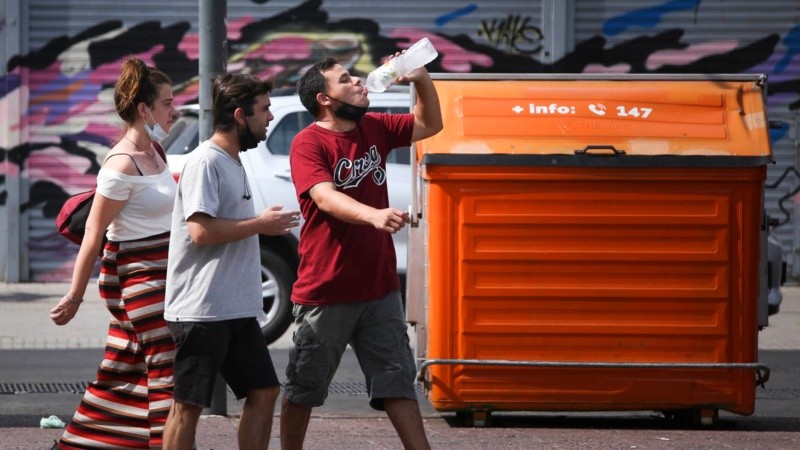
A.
pixel 592 265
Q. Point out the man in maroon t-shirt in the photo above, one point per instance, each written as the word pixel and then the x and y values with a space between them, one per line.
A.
pixel 347 290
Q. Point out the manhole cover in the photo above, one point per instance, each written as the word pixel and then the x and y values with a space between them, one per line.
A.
pixel 347 388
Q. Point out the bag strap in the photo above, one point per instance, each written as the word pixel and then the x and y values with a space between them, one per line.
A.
pixel 160 150
pixel 132 159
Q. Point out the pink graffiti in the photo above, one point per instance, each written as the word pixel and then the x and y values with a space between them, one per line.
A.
pixel 62 99
pixel 39 78
pixel 99 118
pixel 689 54
pixel 454 57
pixel 599 68
pixel 64 271
pixel 54 165
pixel 289 47
pixel 190 44
pixel 190 93
pixel 235 27
pixel 24 121
pixel 271 71
pixel 78 109
pixel 236 66
pixel 19 122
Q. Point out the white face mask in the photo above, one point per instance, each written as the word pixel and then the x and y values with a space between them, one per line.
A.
pixel 156 133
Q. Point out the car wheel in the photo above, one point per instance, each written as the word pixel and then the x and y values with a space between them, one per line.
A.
pixel 277 279
pixel 773 309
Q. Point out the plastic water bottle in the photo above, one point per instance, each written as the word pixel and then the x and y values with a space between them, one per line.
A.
pixel 419 54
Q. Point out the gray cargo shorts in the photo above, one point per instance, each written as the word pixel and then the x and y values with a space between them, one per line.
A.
pixel 376 330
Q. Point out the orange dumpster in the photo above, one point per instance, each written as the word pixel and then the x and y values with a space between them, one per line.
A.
pixel 590 243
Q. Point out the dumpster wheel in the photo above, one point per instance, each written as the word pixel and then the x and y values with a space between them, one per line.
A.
pixel 703 417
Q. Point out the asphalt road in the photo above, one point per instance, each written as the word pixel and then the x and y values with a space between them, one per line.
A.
pixel 346 421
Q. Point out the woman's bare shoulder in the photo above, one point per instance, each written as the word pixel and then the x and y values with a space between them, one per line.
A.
pixel 120 161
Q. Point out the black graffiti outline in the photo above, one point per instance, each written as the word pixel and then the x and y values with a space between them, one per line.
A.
pixel 510 32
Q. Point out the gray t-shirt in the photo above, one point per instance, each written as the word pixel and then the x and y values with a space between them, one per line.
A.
pixel 209 283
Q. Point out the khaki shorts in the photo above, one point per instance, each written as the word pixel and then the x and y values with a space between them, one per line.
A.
pixel 376 330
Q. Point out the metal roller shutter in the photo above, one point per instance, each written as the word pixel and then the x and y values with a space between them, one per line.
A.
pixel 711 36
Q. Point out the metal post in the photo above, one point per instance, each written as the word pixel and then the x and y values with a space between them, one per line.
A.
pixel 213 56
pixel 558 30
pixel 14 260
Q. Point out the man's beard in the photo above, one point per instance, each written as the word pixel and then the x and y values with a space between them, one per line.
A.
pixel 349 112
pixel 247 139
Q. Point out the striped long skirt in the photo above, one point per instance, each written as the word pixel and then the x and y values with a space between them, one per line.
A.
pixel 128 404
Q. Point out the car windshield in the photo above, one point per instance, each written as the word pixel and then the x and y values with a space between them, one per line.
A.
pixel 183 137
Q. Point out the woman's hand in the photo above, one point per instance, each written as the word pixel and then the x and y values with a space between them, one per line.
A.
pixel 65 310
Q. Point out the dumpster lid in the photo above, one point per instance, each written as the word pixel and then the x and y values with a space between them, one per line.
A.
pixel 716 116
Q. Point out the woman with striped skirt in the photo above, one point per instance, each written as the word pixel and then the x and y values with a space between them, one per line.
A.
pixel 128 404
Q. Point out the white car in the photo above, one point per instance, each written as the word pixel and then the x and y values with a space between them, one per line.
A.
pixel 268 172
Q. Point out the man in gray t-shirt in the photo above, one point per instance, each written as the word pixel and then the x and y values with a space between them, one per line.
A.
pixel 213 295
pixel 200 276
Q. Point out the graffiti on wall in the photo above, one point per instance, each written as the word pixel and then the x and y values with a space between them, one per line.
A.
pixel 514 33
pixel 68 121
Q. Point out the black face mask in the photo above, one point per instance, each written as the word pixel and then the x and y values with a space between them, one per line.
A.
pixel 247 139
pixel 349 112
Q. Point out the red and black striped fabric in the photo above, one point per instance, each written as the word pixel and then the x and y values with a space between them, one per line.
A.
pixel 128 404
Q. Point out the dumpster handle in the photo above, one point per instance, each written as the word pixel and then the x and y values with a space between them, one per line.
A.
pixel 586 150
pixel 415 208
pixel 762 371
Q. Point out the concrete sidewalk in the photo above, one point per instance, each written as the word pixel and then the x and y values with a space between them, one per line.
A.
pixel 25 321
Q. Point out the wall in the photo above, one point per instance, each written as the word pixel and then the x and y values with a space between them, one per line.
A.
pixel 62 76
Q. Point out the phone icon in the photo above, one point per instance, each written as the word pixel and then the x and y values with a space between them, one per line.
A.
pixel 598 109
